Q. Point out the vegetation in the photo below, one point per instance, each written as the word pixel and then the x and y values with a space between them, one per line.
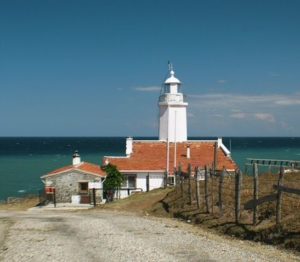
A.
pixel 178 205
pixel 112 182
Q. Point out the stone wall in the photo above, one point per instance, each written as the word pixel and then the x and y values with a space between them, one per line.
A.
pixel 67 184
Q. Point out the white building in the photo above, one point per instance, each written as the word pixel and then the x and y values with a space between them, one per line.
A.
pixel 147 162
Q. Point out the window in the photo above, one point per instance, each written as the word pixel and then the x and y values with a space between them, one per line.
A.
pixel 129 181
pixel 83 187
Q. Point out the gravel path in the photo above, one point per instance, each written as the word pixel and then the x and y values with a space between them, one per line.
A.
pixel 111 236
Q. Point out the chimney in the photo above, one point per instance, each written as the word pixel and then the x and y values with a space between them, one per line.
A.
pixel 129 142
pixel 220 142
pixel 76 158
pixel 188 152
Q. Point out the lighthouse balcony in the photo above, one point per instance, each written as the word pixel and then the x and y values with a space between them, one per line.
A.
pixel 172 98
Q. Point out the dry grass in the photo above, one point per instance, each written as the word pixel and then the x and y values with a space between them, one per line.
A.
pixel 288 235
pixel 21 205
pixel 139 202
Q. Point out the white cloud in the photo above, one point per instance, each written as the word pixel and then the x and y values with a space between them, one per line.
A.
pixel 245 114
pixel 218 115
pixel 148 88
pixel 237 101
pixel 222 81
pixel 238 115
pixel 274 74
pixel 288 101
pixel 265 117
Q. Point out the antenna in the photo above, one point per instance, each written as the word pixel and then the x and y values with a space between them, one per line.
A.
pixel 170 66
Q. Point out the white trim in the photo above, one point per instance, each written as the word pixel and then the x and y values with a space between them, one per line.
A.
pixel 165 141
pixel 72 169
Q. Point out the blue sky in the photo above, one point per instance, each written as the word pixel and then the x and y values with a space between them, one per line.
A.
pixel 94 68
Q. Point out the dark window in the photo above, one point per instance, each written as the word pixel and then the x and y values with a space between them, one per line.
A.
pixel 131 181
pixel 83 187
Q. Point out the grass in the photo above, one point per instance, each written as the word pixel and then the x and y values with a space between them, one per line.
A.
pixel 287 235
pixel 21 205
pixel 139 202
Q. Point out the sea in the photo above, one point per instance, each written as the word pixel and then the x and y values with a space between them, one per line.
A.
pixel 24 159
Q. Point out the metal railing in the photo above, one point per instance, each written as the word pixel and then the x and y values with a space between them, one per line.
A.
pixel 172 98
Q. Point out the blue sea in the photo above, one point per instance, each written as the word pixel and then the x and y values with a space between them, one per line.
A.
pixel 23 160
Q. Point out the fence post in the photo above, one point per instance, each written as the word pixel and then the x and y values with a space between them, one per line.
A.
pixel 190 184
pixel 211 171
pixel 165 179
pixel 221 185
pixel 255 193
pixel 94 197
pixel 215 158
pixel 175 179
pixel 279 196
pixel 148 182
pixel 54 197
pixel 180 179
pixel 238 182
pixel 197 183
pixel 206 190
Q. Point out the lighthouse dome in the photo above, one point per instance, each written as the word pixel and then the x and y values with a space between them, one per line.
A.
pixel 172 79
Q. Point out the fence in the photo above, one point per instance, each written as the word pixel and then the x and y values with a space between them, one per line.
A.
pixel 244 199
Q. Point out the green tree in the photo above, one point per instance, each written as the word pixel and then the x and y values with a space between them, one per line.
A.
pixel 112 182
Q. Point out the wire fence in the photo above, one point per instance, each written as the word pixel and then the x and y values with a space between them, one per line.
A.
pixel 246 199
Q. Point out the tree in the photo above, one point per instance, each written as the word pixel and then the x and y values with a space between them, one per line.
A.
pixel 112 182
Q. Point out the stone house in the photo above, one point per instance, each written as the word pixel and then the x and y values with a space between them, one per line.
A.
pixel 72 182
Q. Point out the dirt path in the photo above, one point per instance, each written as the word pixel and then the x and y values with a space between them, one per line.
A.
pixel 114 236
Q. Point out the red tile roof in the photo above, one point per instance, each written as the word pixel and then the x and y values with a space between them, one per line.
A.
pixel 152 156
pixel 85 167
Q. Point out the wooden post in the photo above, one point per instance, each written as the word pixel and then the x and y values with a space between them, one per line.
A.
pixel 94 197
pixel 255 192
pixel 279 197
pixel 197 183
pixel 181 185
pixel 166 179
pixel 175 179
pixel 211 171
pixel 54 197
pixel 175 176
pixel 190 184
pixel 180 179
pixel 238 182
pixel 148 182
pixel 214 174
pixel 206 190
pixel 215 158
pixel 221 185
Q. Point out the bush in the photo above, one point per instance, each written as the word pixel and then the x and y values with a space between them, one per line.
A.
pixel 112 182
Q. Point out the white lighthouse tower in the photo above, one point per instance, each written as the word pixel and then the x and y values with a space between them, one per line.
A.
pixel 172 111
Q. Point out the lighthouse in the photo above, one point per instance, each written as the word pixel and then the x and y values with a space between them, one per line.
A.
pixel 172 111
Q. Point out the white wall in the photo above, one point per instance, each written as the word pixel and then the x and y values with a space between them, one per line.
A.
pixel 168 125
pixel 141 181
pixel 163 122
pixel 156 180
